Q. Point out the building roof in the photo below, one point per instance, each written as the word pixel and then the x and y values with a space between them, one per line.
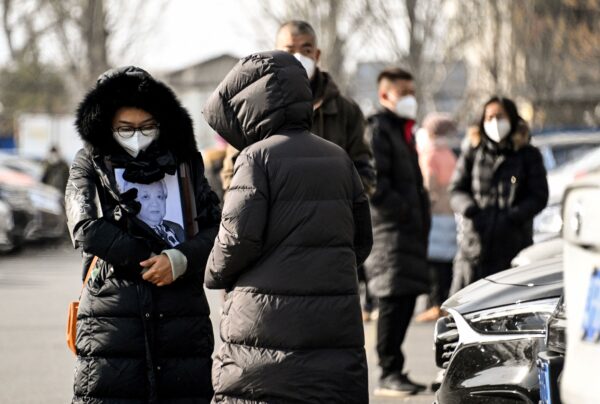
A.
pixel 206 73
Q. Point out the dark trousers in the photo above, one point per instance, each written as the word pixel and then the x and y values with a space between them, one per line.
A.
pixel 395 313
pixel 441 279
pixel 368 303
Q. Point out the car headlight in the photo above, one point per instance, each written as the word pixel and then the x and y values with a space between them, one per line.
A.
pixel 556 338
pixel 519 318
pixel 549 221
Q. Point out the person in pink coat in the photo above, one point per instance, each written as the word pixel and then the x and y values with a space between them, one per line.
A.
pixel 437 162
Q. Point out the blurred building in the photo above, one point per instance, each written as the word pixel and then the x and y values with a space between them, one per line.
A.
pixel 36 133
pixel 194 84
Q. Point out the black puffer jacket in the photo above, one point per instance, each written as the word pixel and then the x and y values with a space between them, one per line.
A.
pixel 497 190
pixel 295 224
pixel 137 343
pixel 400 212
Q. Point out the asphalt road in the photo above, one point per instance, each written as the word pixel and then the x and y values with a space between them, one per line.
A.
pixel 36 286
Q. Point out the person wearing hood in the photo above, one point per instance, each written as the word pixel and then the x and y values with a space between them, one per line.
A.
pixel 498 187
pixel 295 225
pixel 143 328
pixel 397 267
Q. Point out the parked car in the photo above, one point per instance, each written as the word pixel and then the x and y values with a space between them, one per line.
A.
pixel 560 148
pixel 30 167
pixel 550 362
pixel 8 236
pixel 38 209
pixel 489 341
pixel 549 222
pixel 581 234
pixel 537 252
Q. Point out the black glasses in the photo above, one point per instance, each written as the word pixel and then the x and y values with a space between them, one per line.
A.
pixel 146 130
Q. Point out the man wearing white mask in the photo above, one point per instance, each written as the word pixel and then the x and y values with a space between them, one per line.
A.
pixel 400 213
pixel 335 117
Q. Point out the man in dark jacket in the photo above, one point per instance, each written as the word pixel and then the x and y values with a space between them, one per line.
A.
pixel 56 170
pixel 397 267
pixel 335 118
pixel 295 225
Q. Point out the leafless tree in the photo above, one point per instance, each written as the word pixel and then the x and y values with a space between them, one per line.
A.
pixel 58 47
pixel 416 34
pixel 339 25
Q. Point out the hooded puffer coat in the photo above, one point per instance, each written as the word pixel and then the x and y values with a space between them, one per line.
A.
pixel 295 225
pixel 137 343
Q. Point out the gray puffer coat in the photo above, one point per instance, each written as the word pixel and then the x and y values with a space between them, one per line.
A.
pixel 295 225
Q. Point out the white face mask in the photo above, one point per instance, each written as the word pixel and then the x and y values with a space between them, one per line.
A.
pixel 308 64
pixel 136 143
pixel 406 107
pixel 497 129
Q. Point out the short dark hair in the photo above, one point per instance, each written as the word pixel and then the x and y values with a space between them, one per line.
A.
pixel 394 73
pixel 511 110
pixel 298 27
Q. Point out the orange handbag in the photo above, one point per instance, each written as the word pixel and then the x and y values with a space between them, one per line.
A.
pixel 73 307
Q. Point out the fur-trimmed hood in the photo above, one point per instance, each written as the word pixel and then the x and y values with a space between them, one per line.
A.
pixel 133 87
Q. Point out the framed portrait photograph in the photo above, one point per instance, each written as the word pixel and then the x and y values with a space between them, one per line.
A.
pixel 161 206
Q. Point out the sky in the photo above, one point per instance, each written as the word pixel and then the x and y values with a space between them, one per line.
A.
pixel 186 32
pixel 193 30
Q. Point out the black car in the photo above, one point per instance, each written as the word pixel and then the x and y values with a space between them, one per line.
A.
pixel 551 361
pixel 489 342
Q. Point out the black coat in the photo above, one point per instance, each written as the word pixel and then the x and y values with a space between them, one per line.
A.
pixel 399 210
pixel 295 224
pixel 497 190
pixel 137 343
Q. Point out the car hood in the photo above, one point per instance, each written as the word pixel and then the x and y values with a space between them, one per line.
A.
pixel 541 280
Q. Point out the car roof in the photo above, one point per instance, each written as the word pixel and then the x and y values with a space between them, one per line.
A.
pixel 565 138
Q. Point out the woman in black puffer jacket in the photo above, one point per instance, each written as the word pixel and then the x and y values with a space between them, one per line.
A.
pixel 295 224
pixel 141 338
pixel 498 187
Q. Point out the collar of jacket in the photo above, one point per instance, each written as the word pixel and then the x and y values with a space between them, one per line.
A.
pixel 392 123
pixel 324 93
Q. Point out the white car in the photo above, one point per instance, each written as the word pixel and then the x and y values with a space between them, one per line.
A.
pixel 548 223
pixel 581 233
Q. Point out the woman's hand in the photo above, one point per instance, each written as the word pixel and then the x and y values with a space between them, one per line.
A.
pixel 157 270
